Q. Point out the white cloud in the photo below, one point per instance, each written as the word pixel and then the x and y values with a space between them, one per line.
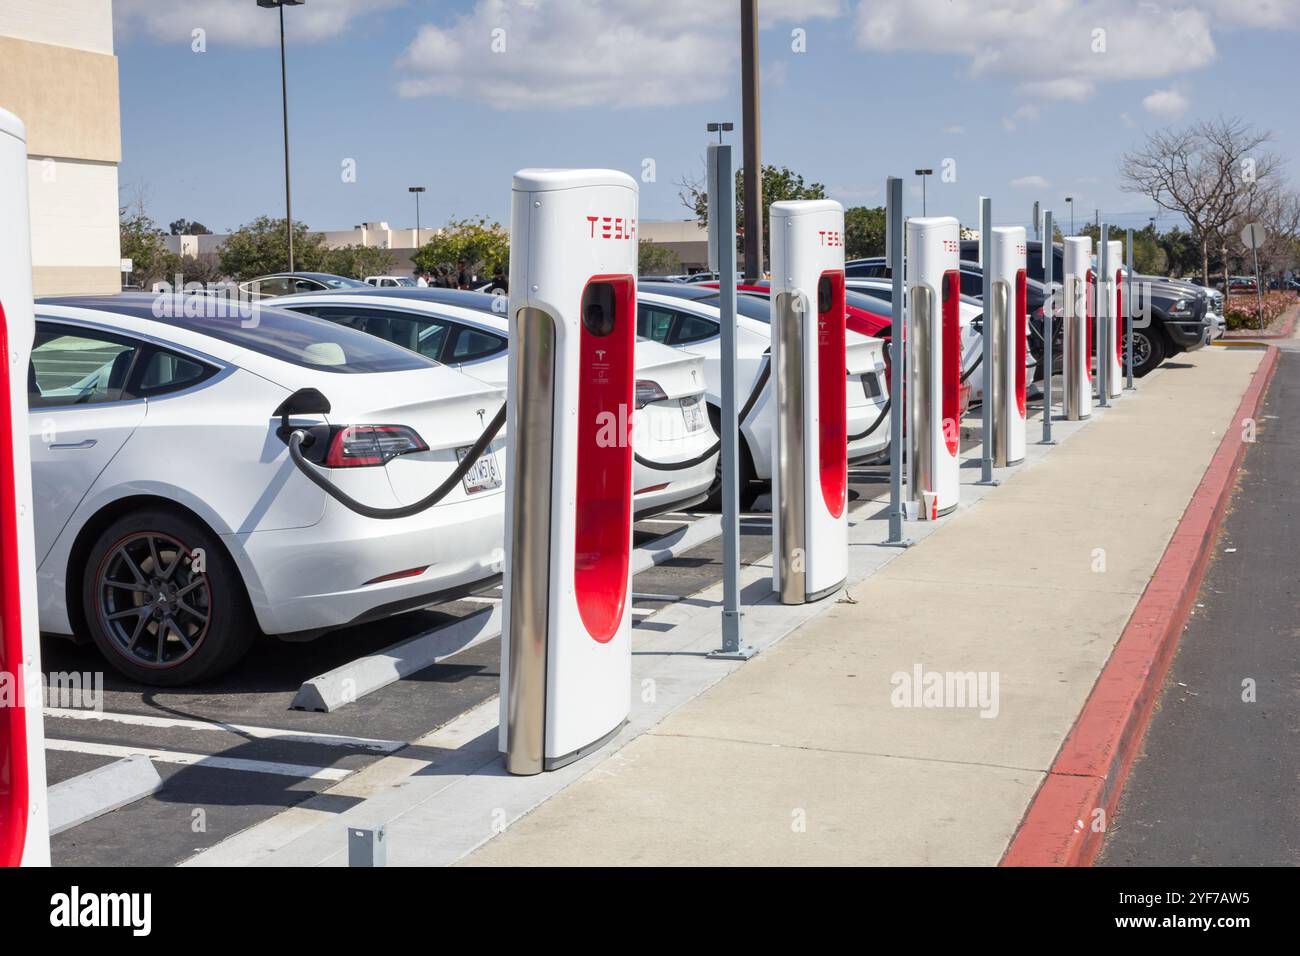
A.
pixel 1167 104
pixel 1023 114
pixel 562 54
pixel 1052 47
pixel 238 22
pixel 1030 182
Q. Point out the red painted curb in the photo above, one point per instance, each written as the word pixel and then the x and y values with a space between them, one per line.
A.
pixel 1089 771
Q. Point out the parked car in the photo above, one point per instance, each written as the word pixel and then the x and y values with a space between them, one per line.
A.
pixel 288 283
pixel 1180 320
pixel 469 331
pixel 389 282
pixel 686 316
pixel 171 523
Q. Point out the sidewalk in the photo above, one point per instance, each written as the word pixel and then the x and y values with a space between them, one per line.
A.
pixel 799 755
pixel 806 734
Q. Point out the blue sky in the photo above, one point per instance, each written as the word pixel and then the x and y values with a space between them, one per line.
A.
pixel 414 94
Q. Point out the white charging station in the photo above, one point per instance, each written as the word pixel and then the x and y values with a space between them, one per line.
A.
pixel 934 365
pixel 1010 287
pixel 24 822
pixel 810 472
pixel 1077 332
pixel 1115 316
pixel 566 652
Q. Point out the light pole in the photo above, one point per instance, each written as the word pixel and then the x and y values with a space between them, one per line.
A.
pixel 1070 200
pixel 284 104
pixel 417 190
pixel 721 128
pixel 923 173
pixel 753 139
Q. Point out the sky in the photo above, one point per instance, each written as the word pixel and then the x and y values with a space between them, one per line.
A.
pixel 1019 100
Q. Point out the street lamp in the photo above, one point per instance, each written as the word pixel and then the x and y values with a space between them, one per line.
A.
pixel 1070 200
pixel 284 104
pixel 417 190
pixel 721 128
pixel 923 173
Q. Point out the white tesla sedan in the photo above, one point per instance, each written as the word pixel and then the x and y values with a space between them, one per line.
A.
pixel 672 436
pixel 686 316
pixel 171 523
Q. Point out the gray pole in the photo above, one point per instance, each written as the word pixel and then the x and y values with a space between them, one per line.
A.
pixel 753 138
pixel 1102 309
pixel 1128 312
pixel 897 353
pixel 284 103
pixel 724 224
pixel 1259 282
pixel 1049 305
pixel 986 338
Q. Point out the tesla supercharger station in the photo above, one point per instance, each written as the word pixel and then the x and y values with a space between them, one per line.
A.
pixel 934 364
pixel 1076 336
pixel 1115 325
pixel 566 656
pixel 810 471
pixel 1009 331
pixel 24 830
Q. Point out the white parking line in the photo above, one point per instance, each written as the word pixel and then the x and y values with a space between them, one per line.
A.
pixel 244 730
pixel 301 771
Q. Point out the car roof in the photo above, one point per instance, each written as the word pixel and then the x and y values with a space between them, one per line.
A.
pixel 477 309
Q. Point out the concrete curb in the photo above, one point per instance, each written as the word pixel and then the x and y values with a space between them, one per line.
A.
pixel 1090 769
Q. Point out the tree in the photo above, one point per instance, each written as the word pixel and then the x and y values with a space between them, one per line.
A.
pixel 357 262
pixel 779 183
pixel 656 260
pixel 864 232
pixel 483 245
pixel 143 243
pixel 1206 172
pixel 187 227
pixel 260 247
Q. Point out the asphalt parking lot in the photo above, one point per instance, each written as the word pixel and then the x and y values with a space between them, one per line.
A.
pixel 234 752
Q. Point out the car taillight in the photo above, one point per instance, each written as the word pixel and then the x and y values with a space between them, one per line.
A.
pixel 648 392
pixel 359 446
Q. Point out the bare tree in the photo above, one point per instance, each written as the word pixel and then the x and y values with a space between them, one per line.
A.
pixel 1208 172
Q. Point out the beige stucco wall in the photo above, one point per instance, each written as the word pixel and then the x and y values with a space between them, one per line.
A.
pixel 58 74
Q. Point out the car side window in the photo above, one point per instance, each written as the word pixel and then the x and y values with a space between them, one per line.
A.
pixel 692 328
pixel 473 344
pixel 306 285
pixel 165 372
pixel 73 366
pixel 276 286
pixel 654 323
pixel 972 283
pixel 415 331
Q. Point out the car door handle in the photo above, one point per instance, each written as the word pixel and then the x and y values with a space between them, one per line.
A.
pixel 86 443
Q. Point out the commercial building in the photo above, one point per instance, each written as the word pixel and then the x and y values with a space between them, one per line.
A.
pixel 58 74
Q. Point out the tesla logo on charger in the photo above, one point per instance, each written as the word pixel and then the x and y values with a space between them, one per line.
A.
pixel 611 227
pixel 831 237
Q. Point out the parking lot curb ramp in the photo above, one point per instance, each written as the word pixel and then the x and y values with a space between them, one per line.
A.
pixel 1093 763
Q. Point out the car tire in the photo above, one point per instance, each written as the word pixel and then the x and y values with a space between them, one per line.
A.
pixel 1149 350
pixel 164 602
pixel 714 501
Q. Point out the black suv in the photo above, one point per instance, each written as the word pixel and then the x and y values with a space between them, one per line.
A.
pixel 1177 312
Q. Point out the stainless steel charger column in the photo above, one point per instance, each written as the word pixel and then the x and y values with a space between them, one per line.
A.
pixel 1075 340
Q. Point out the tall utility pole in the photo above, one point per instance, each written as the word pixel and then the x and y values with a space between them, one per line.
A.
pixel 417 190
pixel 1070 201
pixel 284 105
pixel 923 173
pixel 753 137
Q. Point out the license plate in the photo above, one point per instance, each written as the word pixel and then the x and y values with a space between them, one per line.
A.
pixel 483 476
pixel 693 414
